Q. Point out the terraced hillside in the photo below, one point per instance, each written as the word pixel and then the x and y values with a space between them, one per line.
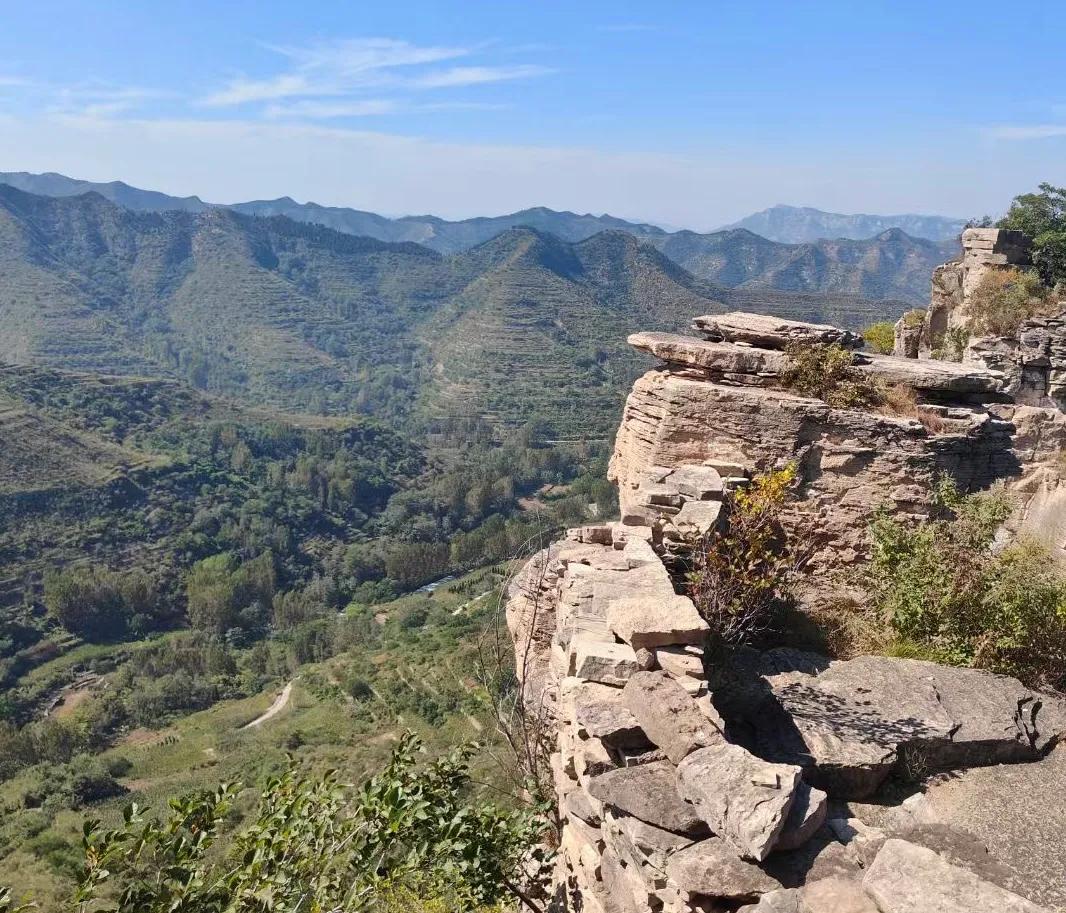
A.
pixel 796 250
pixel 299 317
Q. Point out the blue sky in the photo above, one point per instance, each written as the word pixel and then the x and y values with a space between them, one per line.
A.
pixel 687 113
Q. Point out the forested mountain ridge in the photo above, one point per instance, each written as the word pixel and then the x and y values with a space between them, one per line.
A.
pixel 885 262
pixel 297 316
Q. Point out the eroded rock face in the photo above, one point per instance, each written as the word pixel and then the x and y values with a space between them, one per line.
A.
pixel 850 463
pixel 689 781
pixel 852 723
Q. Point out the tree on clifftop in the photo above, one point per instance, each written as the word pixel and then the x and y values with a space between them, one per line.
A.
pixel 1042 216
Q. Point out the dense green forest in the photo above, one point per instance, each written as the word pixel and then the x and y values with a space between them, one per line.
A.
pixel 168 557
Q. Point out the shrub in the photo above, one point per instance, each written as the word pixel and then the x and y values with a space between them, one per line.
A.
pixel 1042 216
pixel 941 587
pixel 1004 299
pixel 740 575
pixel 827 372
pixel 881 337
pixel 410 832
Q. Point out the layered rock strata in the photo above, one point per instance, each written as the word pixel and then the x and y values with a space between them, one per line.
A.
pixel 687 786
pixel 677 799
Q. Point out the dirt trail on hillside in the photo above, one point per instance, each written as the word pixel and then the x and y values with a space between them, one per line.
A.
pixel 279 704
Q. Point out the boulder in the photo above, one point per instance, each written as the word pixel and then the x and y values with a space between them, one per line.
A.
pixel 906 877
pixel 771 332
pixel 656 621
pixel 599 713
pixel 668 715
pixel 805 818
pixel 713 869
pixel 743 798
pixel 681 661
pixel 597 661
pixel 851 723
pixel 648 792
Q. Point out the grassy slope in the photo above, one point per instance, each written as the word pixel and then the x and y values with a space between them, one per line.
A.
pixel 423 678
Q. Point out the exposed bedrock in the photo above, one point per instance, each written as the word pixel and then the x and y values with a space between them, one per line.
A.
pixel 777 781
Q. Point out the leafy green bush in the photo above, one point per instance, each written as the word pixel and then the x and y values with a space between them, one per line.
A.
pixel 740 574
pixel 99 604
pixel 1004 299
pixel 881 337
pixel 1042 216
pixel 827 372
pixel 410 832
pixel 941 587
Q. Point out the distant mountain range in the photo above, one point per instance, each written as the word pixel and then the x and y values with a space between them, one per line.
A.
pixel 802 224
pixel 885 262
pixel 299 316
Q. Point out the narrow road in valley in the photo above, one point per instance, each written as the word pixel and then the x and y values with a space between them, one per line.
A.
pixel 279 704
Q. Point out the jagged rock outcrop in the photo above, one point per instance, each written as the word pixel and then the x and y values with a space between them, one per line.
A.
pixel 984 250
pixel 691 783
pixel 674 798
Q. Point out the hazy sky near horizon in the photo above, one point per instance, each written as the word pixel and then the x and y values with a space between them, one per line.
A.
pixel 690 114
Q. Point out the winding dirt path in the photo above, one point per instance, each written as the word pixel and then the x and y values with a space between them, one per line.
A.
pixel 279 704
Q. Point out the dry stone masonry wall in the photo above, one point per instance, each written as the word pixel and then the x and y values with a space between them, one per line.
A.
pixel 769 782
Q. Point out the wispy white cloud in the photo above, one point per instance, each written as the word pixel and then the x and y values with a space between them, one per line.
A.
pixel 324 110
pixel 472 76
pixel 1026 131
pixel 101 100
pixel 13 82
pixel 329 79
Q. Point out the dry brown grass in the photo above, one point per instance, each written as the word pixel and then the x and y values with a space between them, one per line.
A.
pixel 898 399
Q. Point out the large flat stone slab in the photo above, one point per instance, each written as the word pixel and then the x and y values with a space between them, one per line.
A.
pixel 850 724
pixel 648 792
pixel 744 799
pixel 906 878
pixel 930 375
pixel 771 332
pixel 716 357
pixel 713 869
pixel 656 621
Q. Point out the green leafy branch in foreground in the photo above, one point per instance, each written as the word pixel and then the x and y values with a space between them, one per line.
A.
pixel 411 832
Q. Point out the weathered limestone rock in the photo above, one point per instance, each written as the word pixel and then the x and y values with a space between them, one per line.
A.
pixel 850 463
pixel 599 713
pixel 807 815
pixel 668 715
pixel 743 798
pixel 681 661
pixel 713 869
pixel 644 847
pixel 716 357
pixel 655 621
pixel 850 724
pixel 906 877
pixel 835 895
pixel 771 332
pixel 648 792
pixel 609 663
pixel 942 377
